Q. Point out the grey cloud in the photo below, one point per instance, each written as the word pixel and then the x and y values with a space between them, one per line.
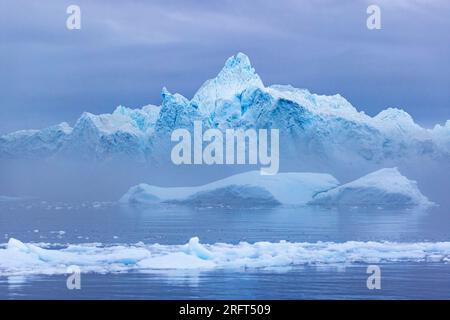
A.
pixel 127 51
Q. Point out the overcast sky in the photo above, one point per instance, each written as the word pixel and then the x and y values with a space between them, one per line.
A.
pixel 126 51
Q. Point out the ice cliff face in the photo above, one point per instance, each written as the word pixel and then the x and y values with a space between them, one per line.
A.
pixel 315 127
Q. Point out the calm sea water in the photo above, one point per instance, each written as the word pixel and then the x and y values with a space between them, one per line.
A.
pixel 110 223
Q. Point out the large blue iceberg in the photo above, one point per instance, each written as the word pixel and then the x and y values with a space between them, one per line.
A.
pixel 313 127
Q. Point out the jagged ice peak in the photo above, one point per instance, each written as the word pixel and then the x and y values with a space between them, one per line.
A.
pixel 236 76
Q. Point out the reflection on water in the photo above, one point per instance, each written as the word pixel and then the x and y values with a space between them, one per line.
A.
pixel 109 223
pixel 399 281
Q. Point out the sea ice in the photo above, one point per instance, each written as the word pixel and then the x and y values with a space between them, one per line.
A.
pixel 18 258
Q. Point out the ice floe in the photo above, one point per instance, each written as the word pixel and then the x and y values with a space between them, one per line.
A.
pixel 18 258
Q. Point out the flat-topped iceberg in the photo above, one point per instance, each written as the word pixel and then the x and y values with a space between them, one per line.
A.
pixel 385 187
pixel 245 189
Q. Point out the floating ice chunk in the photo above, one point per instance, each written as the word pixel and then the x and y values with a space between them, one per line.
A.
pixel 14 244
pixel 17 258
pixel 175 260
pixel 385 187
pixel 195 248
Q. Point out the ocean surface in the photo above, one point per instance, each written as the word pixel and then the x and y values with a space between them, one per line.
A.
pixel 256 253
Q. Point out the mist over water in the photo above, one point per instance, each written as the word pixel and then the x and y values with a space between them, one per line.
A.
pixel 72 179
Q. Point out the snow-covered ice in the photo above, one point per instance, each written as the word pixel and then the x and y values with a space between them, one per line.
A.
pixel 385 187
pixel 245 189
pixel 18 258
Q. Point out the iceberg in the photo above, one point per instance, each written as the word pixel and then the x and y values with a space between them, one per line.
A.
pixel 385 187
pixel 245 189
pixel 43 142
pixel 320 128
pixel 236 76
pixel 22 259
